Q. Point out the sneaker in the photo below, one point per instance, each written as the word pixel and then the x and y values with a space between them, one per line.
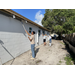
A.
pixel 32 58
pixel 49 44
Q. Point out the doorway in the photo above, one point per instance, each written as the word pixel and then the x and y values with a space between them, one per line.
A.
pixel 38 35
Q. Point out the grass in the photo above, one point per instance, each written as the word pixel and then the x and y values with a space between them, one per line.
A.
pixel 68 60
pixel 62 43
pixel 60 61
pixel 38 61
pixel 49 49
pixel 58 64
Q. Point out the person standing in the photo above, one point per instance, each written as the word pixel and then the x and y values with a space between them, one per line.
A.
pixel 54 36
pixel 50 40
pixel 44 39
pixel 32 40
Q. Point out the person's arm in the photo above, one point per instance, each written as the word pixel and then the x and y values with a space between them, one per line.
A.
pixel 27 33
pixel 42 35
pixel 30 39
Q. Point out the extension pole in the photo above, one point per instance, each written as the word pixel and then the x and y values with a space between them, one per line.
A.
pixel 23 26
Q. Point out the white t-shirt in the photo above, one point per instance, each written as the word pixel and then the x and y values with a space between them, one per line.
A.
pixel 44 37
pixel 49 37
pixel 33 39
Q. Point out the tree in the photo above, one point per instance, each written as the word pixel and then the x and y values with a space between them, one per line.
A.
pixel 59 29
pixel 59 20
pixel 74 29
pixel 48 21
pixel 70 21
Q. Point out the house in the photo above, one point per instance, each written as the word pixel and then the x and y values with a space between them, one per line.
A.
pixel 13 39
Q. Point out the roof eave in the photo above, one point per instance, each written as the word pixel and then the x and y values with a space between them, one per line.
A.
pixel 22 17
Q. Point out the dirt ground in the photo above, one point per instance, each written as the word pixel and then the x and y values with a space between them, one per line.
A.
pixel 45 55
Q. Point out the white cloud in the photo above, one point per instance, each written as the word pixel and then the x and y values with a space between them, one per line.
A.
pixel 38 18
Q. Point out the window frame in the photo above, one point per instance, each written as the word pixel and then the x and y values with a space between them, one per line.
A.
pixel 30 30
pixel 47 33
pixel 43 32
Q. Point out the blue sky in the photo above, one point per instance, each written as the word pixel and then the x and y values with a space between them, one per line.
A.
pixel 35 15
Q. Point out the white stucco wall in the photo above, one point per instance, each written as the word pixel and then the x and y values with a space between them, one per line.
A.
pixel 13 38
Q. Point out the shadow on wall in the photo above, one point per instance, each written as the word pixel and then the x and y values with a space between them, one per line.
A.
pixel 1 42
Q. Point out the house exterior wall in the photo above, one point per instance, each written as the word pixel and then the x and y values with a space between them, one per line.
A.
pixel 13 39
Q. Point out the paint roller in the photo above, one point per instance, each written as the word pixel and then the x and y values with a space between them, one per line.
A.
pixel 24 27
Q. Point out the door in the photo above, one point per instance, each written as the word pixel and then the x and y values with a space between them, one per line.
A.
pixel 37 38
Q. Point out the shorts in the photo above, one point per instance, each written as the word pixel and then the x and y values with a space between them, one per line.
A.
pixel 44 40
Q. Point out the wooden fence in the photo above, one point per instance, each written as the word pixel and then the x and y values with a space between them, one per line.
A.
pixel 70 41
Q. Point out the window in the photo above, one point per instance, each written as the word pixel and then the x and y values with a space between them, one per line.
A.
pixel 39 32
pixel 47 33
pixel 43 32
pixel 30 30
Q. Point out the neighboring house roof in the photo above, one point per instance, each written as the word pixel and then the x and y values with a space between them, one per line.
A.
pixel 11 12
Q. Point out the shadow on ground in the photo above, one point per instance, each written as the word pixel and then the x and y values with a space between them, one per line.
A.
pixel 36 51
pixel 64 48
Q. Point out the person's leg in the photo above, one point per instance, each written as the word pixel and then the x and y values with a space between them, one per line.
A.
pixel 49 42
pixel 33 51
pixel 45 41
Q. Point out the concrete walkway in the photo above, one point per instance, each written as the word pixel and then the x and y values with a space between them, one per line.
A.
pixel 45 55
